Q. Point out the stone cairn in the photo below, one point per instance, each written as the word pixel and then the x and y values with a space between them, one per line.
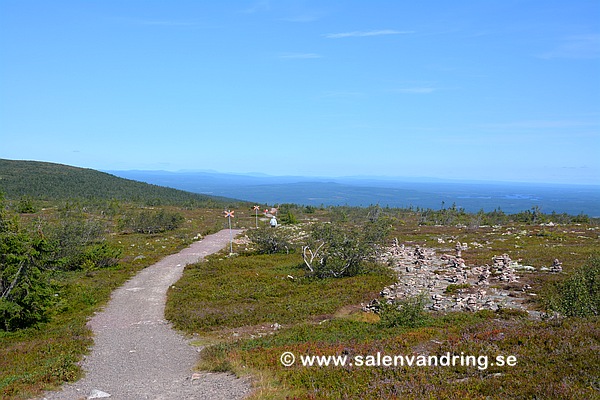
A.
pixel 502 265
pixel 556 266
pixel 419 254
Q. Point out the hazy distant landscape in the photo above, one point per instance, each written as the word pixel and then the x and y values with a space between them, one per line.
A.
pixel 392 192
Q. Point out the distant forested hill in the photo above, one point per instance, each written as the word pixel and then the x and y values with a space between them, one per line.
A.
pixel 48 181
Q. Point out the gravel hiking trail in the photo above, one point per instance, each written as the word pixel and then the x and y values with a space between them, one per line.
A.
pixel 136 354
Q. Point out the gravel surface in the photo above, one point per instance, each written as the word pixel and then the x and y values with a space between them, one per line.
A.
pixel 136 353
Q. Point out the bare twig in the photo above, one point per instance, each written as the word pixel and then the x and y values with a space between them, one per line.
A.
pixel 14 282
pixel 309 256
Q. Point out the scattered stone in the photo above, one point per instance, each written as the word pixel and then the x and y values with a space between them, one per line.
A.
pixel 527 268
pixel 556 266
pixel 483 278
pixel 98 394
pixel 373 306
pixel 458 249
pixel 276 326
pixel 196 376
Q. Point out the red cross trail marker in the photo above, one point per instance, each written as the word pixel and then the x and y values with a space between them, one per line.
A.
pixel 256 208
pixel 229 215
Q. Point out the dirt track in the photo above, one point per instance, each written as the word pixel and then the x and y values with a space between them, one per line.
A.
pixel 136 353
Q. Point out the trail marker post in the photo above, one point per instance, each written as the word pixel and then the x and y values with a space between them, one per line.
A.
pixel 229 215
pixel 256 208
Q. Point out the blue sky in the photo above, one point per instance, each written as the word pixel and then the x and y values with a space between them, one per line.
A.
pixel 484 90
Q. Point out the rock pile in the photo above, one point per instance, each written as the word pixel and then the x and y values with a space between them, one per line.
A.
pixel 556 266
pixel 446 281
pixel 502 266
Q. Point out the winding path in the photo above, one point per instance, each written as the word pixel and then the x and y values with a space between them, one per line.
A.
pixel 136 353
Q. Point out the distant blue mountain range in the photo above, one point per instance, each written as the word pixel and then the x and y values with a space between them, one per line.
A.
pixel 393 192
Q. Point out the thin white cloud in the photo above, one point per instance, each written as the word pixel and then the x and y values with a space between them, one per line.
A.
pixel 541 124
pixel 155 22
pixel 299 55
pixel 302 18
pixel 166 23
pixel 366 33
pixel 342 94
pixel 576 47
pixel 258 6
pixel 417 90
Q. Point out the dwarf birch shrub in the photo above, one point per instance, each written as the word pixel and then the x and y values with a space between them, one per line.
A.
pixel 150 221
pixel 270 240
pixel 338 251
pixel 580 294
pixel 406 313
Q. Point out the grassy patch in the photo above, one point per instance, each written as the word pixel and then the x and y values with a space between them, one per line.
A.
pixel 262 289
pixel 454 288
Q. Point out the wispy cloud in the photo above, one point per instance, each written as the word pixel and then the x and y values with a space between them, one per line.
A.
pixel 302 18
pixel 342 94
pixel 258 6
pixel 365 33
pixel 166 23
pixel 299 55
pixel 577 47
pixel 417 90
pixel 155 22
pixel 414 87
pixel 540 125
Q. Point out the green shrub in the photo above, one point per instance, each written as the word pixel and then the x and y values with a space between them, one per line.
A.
pixel 406 313
pixel 289 218
pixel 338 251
pixel 580 294
pixel 101 255
pixel 25 292
pixel 25 205
pixel 69 240
pixel 509 313
pixel 150 221
pixel 270 241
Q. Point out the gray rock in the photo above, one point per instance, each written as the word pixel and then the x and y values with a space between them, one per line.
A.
pixel 98 394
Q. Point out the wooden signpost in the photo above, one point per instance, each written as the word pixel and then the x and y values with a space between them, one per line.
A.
pixel 256 208
pixel 229 215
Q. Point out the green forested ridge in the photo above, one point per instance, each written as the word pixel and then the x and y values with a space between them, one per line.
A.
pixel 48 181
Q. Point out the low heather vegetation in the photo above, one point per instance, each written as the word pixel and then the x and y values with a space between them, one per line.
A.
pixel 252 307
pixel 301 288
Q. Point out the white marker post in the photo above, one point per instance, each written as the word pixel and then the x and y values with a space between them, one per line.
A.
pixel 256 208
pixel 229 215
